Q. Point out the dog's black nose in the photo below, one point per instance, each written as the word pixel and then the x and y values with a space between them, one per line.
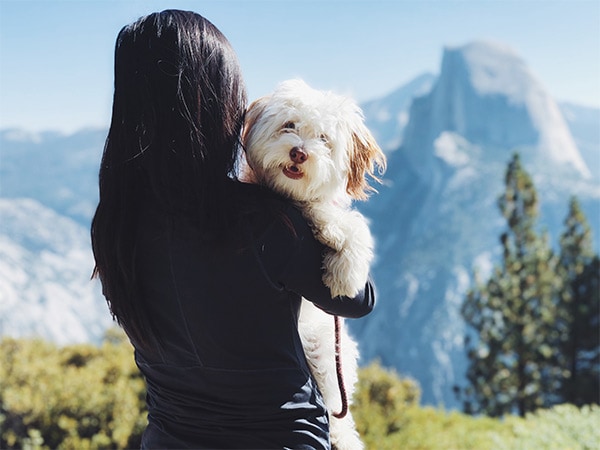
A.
pixel 297 155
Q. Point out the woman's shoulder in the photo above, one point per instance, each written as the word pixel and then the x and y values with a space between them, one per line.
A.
pixel 268 207
pixel 254 198
pixel 255 191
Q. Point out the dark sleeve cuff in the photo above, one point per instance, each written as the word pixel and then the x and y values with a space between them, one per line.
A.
pixel 351 307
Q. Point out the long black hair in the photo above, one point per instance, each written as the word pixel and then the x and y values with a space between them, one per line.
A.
pixel 178 107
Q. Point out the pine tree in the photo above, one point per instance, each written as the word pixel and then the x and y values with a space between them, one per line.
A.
pixel 579 311
pixel 512 366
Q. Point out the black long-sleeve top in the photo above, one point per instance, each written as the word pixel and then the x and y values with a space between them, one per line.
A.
pixel 227 368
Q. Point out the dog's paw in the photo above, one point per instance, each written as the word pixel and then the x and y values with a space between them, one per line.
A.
pixel 344 273
pixel 329 225
pixel 331 236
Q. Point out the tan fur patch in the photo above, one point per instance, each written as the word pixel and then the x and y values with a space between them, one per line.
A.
pixel 365 159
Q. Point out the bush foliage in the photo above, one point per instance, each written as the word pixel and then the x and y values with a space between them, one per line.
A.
pixel 388 417
pixel 87 397
pixel 76 397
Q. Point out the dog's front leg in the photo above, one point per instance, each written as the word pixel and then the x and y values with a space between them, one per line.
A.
pixel 346 232
pixel 347 270
pixel 326 225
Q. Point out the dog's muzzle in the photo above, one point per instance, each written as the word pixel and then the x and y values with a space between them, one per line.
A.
pixel 298 157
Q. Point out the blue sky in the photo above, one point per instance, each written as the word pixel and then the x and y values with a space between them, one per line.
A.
pixel 56 55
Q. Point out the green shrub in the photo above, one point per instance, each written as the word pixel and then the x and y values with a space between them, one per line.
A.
pixel 87 397
pixel 561 427
pixel 388 417
pixel 76 397
pixel 380 404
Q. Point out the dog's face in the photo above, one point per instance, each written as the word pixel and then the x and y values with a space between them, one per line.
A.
pixel 310 145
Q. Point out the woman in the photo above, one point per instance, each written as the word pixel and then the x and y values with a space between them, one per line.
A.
pixel 204 273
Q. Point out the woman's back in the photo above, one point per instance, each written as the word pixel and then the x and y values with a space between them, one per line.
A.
pixel 212 292
pixel 227 360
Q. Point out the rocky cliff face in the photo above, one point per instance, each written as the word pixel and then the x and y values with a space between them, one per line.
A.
pixel 486 95
pixel 436 218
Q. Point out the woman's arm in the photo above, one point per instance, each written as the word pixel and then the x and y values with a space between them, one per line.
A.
pixel 293 259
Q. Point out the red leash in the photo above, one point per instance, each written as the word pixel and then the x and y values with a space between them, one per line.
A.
pixel 338 368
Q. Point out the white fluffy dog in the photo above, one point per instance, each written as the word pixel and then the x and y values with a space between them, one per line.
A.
pixel 313 147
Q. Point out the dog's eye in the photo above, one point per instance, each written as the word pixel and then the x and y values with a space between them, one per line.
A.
pixel 324 138
pixel 289 126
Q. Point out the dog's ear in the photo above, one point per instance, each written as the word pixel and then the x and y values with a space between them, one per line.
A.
pixel 253 112
pixel 366 158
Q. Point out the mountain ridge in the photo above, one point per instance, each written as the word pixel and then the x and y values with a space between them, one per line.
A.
pixel 441 218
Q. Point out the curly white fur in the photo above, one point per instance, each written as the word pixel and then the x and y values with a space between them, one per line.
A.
pixel 313 147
